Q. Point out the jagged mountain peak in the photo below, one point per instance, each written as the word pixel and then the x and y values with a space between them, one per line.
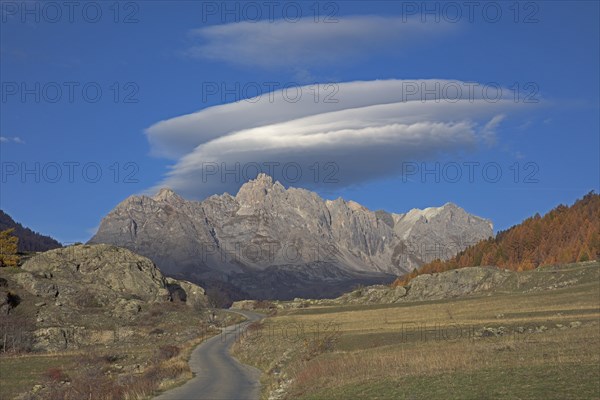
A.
pixel 166 194
pixel 253 240
pixel 429 212
pixel 262 177
pixel 257 189
pixel 354 206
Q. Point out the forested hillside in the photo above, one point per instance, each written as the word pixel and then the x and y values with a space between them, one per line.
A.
pixel 564 235
pixel 28 239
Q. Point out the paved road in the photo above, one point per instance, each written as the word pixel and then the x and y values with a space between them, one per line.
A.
pixel 219 376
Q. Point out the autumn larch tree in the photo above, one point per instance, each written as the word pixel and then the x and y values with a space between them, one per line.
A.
pixel 8 249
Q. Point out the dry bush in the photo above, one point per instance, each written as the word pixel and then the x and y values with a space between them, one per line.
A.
pixel 167 352
pixel 157 312
pixel 93 381
pixel 56 374
pixel 16 334
pixel 320 344
pixel 113 358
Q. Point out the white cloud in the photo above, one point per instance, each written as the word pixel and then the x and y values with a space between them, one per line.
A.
pixel 175 137
pixel 489 130
pixel 373 128
pixel 304 43
pixel 13 139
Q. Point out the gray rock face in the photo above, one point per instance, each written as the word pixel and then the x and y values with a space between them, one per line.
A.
pixel 456 283
pixel 102 281
pixel 267 231
pixel 99 276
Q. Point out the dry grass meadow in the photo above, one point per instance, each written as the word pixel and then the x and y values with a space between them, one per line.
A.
pixel 129 370
pixel 526 344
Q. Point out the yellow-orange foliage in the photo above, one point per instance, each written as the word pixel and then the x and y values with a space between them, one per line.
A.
pixel 564 235
pixel 8 249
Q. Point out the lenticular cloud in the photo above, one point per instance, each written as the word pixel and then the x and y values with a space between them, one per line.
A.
pixel 335 135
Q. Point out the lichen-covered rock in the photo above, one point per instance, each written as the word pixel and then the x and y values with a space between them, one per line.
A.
pixel 195 295
pixel 94 281
pixel 109 272
pixel 455 283
pixel 244 305
pixel 449 284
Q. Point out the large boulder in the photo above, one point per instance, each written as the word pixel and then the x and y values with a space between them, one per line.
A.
pixel 89 293
pixel 99 273
pixel 193 294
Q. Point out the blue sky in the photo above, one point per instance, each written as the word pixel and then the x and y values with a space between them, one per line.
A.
pixel 144 94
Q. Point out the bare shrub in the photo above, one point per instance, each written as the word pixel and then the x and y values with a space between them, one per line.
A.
pixel 56 374
pixel 167 352
pixel 16 333
pixel 113 358
pixel 323 343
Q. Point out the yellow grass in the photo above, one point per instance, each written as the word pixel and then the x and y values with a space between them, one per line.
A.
pixel 381 344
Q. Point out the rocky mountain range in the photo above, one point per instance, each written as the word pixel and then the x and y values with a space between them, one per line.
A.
pixel 271 242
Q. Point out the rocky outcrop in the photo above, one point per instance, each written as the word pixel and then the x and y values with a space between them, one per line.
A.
pixel 444 285
pixel 105 284
pixel 107 273
pixel 245 305
pixel 186 291
pixel 451 284
pixel 380 294
pixel 292 234
pixel 456 283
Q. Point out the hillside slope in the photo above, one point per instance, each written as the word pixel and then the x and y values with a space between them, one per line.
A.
pixel 564 235
pixel 28 239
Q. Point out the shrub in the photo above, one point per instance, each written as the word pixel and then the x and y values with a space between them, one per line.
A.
pixel 322 343
pixel 113 358
pixel 8 249
pixel 56 374
pixel 167 352
pixel 16 333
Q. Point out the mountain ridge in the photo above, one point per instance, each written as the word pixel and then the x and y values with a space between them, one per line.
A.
pixel 306 238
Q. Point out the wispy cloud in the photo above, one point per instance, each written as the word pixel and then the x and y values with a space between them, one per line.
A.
pixel 368 133
pixel 489 130
pixel 93 230
pixel 11 139
pixel 305 43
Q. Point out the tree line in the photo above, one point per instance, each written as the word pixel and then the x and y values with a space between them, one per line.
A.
pixel 563 235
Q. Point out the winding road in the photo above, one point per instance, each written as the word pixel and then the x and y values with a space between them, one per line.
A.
pixel 217 375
